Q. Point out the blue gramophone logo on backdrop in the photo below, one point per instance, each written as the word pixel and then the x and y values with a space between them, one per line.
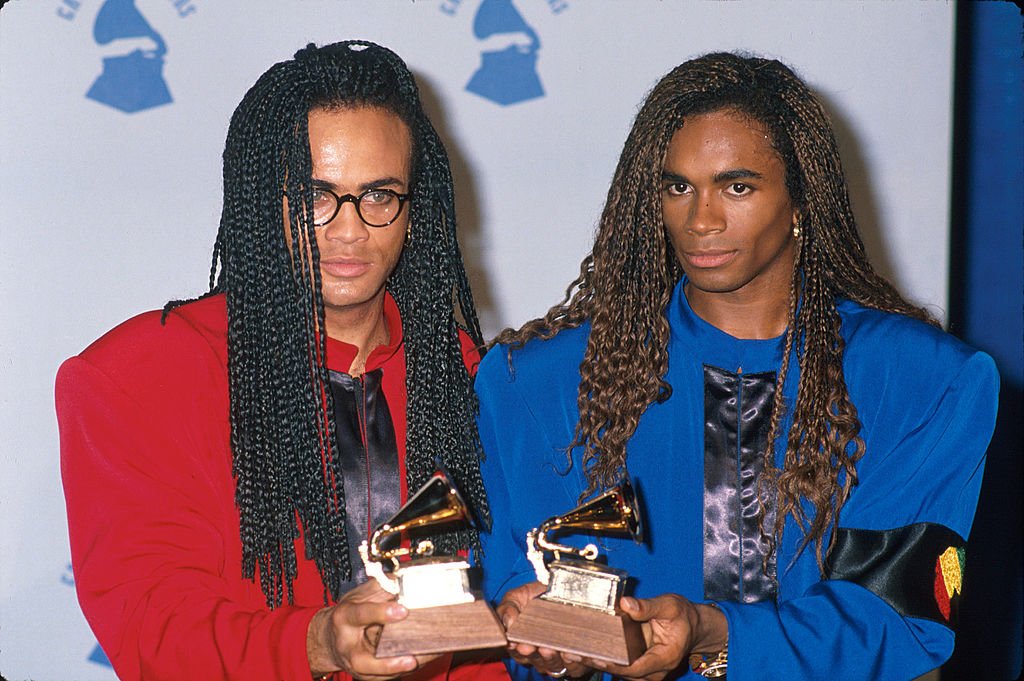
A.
pixel 508 71
pixel 131 81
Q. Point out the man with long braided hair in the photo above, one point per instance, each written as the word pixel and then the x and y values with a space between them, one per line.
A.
pixel 808 443
pixel 223 460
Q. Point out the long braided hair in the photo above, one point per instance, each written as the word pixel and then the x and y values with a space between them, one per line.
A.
pixel 625 284
pixel 285 456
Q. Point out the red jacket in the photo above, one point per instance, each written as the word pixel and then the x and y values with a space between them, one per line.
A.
pixel 155 547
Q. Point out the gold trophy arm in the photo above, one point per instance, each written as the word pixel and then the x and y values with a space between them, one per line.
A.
pixel 375 569
pixel 589 552
pixel 379 535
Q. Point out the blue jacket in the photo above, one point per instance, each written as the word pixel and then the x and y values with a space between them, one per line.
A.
pixel 927 404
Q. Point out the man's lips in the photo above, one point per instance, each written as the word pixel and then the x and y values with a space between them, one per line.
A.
pixel 344 268
pixel 709 258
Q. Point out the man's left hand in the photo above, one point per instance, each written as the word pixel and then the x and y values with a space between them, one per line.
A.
pixel 672 626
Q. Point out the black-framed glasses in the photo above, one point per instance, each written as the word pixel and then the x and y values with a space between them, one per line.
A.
pixel 375 207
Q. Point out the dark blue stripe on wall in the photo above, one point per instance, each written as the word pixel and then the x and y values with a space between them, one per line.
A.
pixel 987 311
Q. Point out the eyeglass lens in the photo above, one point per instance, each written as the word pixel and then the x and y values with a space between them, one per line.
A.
pixel 376 207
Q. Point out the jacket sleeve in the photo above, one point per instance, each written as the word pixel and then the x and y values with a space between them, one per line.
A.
pixel 144 488
pixel 921 468
pixel 506 429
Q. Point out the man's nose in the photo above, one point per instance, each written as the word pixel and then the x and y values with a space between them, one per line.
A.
pixel 706 216
pixel 347 226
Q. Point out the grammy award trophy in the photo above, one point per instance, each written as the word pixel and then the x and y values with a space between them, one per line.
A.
pixel 444 615
pixel 579 613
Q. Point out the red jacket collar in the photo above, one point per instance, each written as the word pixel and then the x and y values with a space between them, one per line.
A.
pixel 341 354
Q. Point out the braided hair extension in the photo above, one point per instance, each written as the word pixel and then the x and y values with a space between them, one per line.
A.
pixel 626 281
pixel 285 457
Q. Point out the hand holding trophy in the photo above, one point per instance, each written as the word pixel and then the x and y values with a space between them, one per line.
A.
pixel 579 613
pixel 444 615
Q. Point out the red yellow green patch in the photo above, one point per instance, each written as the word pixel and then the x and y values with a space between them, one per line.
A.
pixel 949 570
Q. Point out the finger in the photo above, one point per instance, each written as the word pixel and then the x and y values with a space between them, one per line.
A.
pixel 577 669
pixel 366 666
pixel 645 609
pixel 652 662
pixel 630 605
pixel 556 660
pixel 525 661
pixel 638 610
pixel 423 660
pixel 533 660
pixel 574 665
pixel 524 650
pixel 507 612
pixel 518 659
pixel 364 614
pixel 515 600
pixel 521 595
pixel 559 668
pixel 580 670
pixel 551 656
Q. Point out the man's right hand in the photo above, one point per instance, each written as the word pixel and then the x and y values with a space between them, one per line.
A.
pixel 545 660
pixel 343 637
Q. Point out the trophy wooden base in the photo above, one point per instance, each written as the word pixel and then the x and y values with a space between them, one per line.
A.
pixel 580 630
pixel 442 629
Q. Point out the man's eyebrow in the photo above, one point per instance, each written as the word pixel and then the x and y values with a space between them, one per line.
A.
pixel 381 182
pixel 737 174
pixel 724 176
pixel 372 184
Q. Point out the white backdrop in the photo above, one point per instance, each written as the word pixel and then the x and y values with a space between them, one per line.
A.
pixel 105 213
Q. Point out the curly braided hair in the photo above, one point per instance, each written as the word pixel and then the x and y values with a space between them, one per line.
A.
pixel 625 284
pixel 285 457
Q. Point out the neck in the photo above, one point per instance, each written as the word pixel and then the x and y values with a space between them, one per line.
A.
pixel 750 315
pixel 363 326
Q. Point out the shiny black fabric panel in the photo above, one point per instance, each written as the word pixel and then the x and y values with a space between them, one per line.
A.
pixel 721 525
pixel 756 404
pixel 382 449
pixel 898 566
pixel 737 414
pixel 369 459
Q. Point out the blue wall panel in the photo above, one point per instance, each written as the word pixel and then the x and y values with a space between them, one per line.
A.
pixel 987 310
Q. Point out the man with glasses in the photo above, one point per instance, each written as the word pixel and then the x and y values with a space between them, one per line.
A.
pixel 223 460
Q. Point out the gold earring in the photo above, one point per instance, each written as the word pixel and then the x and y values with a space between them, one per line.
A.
pixel 408 232
pixel 796 231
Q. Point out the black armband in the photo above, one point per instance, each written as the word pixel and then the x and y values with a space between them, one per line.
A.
pixel 917 569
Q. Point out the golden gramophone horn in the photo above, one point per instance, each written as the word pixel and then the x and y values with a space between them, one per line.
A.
pixel 437 502
pixel 614 512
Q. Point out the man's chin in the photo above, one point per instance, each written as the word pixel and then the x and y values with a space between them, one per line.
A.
pixel 708 283
pixel 352 301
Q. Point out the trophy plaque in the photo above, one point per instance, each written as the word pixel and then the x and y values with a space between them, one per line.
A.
pixel 579 612
pixel 444 615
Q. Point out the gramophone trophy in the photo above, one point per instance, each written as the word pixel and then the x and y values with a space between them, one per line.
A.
pixel 579 612
pixel 444 616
